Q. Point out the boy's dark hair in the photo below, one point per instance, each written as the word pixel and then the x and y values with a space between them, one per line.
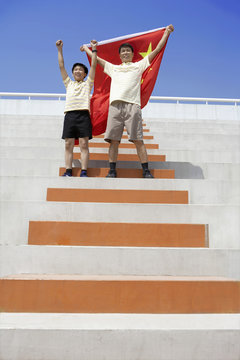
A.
pixel 125 45
pixel 82 65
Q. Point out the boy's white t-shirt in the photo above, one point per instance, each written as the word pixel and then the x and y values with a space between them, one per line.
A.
pixel 126 80
pixel 77 94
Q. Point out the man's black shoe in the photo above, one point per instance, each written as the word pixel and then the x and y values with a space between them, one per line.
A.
pixel 112 174
pixel 147 174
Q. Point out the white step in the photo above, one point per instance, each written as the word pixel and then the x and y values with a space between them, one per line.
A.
pixel 50 143
pixel 223 220
pixel 188 121
pixel 193 128
pixel 57 143
pixel 159 121
pixel 200 191
pixel 171 140
pixel 119 337
pixel 203 156
pixel 84 260
pixel 57 152
pixel 40 148
pixel 156 127
pixel 183 170
pixel 153 122
pixel 195 141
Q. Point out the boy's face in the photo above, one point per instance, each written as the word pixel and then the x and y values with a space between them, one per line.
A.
pixel 79 73
pixel 126 54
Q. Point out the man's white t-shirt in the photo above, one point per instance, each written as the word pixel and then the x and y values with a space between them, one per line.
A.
pixel 126 80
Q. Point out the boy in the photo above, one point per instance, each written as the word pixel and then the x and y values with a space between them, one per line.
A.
pixel 125 105
pixel 77 122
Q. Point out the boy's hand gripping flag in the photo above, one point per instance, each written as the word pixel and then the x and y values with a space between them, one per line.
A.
pixel 143 44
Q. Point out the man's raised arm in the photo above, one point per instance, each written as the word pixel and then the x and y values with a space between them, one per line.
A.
pixel 94 59
pixel 169 29
pixel 100 61
pixel 59 45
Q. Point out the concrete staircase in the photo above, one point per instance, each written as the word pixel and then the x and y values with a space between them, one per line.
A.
pixel 125 268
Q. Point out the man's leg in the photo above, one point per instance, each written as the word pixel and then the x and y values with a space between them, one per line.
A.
pixel 113 154
pixel 142 154
pixel 113 150
pixel 69 145
pixel 83 144
pixel 141 150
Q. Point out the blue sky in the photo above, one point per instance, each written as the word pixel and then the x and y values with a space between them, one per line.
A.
pixel 202 58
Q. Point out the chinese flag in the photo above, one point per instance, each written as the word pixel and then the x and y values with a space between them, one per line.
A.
pixel 143 44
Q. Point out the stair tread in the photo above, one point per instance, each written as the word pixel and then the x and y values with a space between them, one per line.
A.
pixel 118 321
pixel 77 277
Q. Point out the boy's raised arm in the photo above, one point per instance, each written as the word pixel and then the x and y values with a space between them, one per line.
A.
pixel 94 59
pixel 100 61
pixel 169 29
pixel 59 45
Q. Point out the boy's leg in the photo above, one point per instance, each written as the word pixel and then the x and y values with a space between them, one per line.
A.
pixel 83 144
pixel 69 145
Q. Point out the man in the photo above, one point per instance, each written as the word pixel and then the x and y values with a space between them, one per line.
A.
pixel 77 122
pixel 125 103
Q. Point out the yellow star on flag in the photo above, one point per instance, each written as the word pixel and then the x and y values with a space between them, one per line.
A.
pixel 144 54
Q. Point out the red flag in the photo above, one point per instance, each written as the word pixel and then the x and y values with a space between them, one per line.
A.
pixel 143 44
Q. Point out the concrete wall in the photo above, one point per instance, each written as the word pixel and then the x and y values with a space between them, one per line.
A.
pixel 152 110
pixel 192 111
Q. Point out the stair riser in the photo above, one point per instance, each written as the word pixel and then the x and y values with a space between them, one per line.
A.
pixel 134 344
pixel 116 234
pixel 41 167
pixel 224 232
pixel 113 260
pixel 145 137
pixel 122 296
pixel 118 196
pixel 122 173
pixel 121 157
pixel 121 145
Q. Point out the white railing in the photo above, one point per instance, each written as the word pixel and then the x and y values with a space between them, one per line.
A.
pixel 31 95
pixel 195 100
pixel 177 100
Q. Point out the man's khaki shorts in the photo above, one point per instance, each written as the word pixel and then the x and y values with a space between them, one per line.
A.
pixel 123 114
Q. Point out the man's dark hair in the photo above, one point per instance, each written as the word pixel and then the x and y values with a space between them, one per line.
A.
pixel 125 45
pixel 82 65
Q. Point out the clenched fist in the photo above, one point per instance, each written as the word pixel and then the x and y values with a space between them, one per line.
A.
pixel 59 44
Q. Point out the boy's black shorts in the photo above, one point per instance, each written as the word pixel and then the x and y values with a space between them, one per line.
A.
pixel 77 124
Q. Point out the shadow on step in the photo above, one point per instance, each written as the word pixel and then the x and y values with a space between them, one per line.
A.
pixel 183 170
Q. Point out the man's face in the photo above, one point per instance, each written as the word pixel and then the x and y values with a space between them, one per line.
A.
pixel 79 73
pixel 126 54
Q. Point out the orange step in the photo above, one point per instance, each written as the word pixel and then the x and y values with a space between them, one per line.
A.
pixel 118 196
pixel 144 129
pixel 124 134
pixel 116 234
pixel 122 173
pixel 145 137
pixel 121 157
pixel 118 294
pixel 121 145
